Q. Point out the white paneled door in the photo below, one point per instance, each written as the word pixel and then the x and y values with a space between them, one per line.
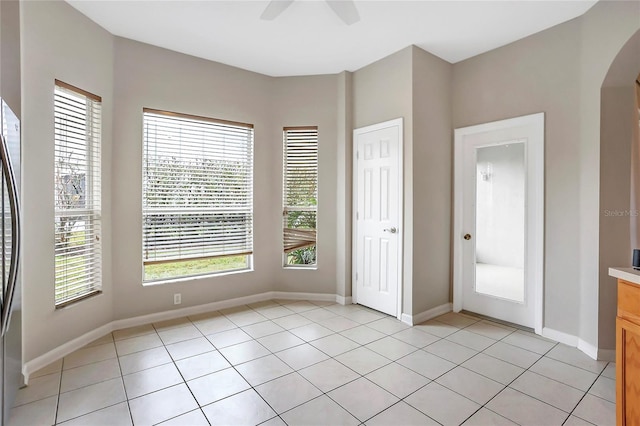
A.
pixel 377 245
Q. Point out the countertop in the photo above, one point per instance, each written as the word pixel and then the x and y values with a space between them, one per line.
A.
pixel 628 274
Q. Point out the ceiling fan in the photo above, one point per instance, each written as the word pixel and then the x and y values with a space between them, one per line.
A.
pixel 345 9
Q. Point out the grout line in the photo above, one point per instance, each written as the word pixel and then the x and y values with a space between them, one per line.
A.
pixel 575 366
pixel 505 386
pixel 55 417
pixel 359 376
pixel 298 372
pixel 401 400
pixel 185 413
pixel 122 379
pixel 528 369
pixel 573 415
pixel 173 361
pixel 184 381
pixel 276 416
pixel 243 378
pixel 91 412
pixel 587 392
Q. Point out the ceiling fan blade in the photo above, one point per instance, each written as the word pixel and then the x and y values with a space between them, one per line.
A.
pixel 345 9
pixel 274 9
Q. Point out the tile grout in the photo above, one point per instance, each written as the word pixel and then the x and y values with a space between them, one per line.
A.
pixel 122 379
pixel 587 393
pixel 55 418
pixel 173 361
pixel 344 315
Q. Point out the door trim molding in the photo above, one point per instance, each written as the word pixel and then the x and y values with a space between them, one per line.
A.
pixel 397 122
pixel 535 212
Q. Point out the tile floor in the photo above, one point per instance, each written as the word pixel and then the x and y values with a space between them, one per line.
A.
pixel 317 363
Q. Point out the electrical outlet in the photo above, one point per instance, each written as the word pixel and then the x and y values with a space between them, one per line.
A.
pixel 177 299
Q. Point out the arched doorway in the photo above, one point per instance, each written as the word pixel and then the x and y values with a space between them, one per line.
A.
pixel 619 224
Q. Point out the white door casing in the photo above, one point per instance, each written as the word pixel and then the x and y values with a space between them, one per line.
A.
pixel 377 217
pixel 530 131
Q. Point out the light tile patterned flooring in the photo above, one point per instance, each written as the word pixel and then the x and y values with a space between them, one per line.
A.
pixel 300 362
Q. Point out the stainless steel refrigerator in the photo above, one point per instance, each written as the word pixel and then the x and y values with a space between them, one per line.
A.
pixel 11 294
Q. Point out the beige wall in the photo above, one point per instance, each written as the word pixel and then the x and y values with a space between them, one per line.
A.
pixel 344 183
pixel 10 54
pixel 152 77
pixel 416 85
pixel 605 29
pixel 615 230
pixel 382 91
pixel 130 76
pixel 618 127
pixel 432 173
pixel 58 42
pixel 147 76
pixel 560 72
pixel 538 74
pixel 308 101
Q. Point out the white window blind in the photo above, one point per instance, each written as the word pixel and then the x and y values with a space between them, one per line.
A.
pixel 197 191
pixel 300 195
pixel 78 249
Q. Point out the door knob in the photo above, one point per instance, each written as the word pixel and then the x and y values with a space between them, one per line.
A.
pixel 467 237
pixel 393 230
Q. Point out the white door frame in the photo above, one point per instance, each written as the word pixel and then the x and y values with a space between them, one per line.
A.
pixel 398 122
pixel 533 211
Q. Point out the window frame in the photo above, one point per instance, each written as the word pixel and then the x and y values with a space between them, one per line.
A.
pixel 248 254
pixel 92 193
pixel 287 209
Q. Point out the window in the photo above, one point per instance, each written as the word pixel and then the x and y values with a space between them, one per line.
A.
pixel 300 195
pixel 78 257
pixel 197 195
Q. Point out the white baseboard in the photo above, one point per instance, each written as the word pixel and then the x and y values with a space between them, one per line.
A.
pixel 286 295
pixel 586 347
pixel 191 310
pixel 559 336
pixel 432 313
pixel 407 319
pixel 344 300
pixel 426 315
pixel 65 349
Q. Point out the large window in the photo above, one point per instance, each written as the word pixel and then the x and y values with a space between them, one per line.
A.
pixel 300 195
pixel 78 257
pixel 197 195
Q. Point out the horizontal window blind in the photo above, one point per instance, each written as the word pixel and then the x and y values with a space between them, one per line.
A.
pixel 300 193
pixel 78 246
pixel 197 188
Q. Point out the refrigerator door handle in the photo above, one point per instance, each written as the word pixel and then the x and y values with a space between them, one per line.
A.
pixel 9 177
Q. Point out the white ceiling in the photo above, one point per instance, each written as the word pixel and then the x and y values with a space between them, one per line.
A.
pixel 308 38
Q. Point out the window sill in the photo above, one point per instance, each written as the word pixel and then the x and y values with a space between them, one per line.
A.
pixel 74 301
pixel 194 277
pixel 301 268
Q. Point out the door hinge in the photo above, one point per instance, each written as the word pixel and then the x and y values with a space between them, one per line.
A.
pixel 357 155
pixel 356 276
pixel 357 215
